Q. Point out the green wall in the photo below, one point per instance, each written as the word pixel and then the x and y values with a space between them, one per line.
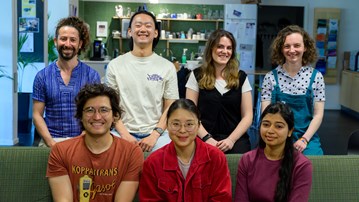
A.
pixel 92 12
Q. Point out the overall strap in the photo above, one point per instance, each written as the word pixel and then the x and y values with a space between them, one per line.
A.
pixel 312 78
pixel 275 74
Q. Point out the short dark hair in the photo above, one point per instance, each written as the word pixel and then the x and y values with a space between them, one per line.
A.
pixel 185 104
pixel 80 26
pixel 94 90
pixel 157 27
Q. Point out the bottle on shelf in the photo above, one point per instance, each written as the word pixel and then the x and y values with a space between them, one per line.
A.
pixel 184 57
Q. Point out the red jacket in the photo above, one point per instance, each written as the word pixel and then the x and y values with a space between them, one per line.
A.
pixel 208 177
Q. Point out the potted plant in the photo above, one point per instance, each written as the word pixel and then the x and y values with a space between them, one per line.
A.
pixel 25 126
pixel 3 73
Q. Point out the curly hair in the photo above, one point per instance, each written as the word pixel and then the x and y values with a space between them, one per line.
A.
pixel 80 26
pixel 309 56
pixel 207 69
pixel 285 172
pixel 94 90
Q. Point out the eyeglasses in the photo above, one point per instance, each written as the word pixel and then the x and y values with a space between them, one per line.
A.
pixel 189 126
pixel 90 111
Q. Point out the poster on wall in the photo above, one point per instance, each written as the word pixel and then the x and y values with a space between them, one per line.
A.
pixel 28 8
pixel 101 29
pixel 28 45
pixel 29 24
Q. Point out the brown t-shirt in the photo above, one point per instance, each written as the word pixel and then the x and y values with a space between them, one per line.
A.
pixel 121 162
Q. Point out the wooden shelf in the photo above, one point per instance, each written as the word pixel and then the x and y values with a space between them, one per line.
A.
pixel 178 19
pixel 167 22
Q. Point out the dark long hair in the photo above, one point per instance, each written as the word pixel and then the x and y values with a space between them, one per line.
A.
pixel 185 104
pixel 285 172
pixel 157 27
pixel 94 90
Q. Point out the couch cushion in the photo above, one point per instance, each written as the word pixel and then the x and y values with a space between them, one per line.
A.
pixel 335 178
pixel 22 176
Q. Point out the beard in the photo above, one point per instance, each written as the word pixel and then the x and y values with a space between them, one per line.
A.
pixel 66 56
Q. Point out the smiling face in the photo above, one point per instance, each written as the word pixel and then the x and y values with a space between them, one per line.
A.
pixel 68 42
pixel 97 116
pixel 274 130
pixel 222 52
pixel 182 128
pixel 293 48
pixel 143 30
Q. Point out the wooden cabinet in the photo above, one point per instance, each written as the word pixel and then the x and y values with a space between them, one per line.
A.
pixel 177 25
pixel 349 90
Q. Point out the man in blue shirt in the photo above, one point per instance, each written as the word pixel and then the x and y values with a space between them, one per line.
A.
pixel 56 86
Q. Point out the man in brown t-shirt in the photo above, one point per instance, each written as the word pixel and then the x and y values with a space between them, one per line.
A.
pixel 95 166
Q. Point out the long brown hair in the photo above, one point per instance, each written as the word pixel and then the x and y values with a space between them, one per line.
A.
pixel 207 70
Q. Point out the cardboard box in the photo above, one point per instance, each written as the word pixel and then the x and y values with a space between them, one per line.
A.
pixel 346 60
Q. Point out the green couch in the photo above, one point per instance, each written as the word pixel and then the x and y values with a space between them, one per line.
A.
pixel 22 176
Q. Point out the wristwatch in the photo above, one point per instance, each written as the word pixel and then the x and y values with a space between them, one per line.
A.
pixel 159 130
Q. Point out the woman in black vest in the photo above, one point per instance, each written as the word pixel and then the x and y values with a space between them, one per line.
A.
pixel 223 95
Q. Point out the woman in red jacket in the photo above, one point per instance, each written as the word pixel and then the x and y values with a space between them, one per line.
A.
pixel 187 169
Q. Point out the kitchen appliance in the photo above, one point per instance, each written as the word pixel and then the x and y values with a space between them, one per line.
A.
pixel 98 50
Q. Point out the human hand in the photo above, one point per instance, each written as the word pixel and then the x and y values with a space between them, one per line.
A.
pixel 148 142
pixel 51 143
pixel 127 136
pixel 299 145
pixel 225 145
pixel 212 142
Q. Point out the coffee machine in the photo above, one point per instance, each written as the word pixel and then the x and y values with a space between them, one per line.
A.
pixel 98 50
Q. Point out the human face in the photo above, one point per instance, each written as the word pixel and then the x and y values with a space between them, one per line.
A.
pixel 274 130
pixel 68 42
pixel 293 48
pixel 143 30
pixel 222 52
pixel 188 127
pixel 98 123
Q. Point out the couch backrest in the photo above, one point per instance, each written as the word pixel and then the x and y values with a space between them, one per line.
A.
pixel 23 169
pixel 22 174
pixel 335 178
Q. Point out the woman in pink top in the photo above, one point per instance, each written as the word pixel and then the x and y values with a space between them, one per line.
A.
pixel 274 171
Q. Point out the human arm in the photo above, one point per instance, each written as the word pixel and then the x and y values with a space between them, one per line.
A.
pixel 193 95
pixel 149 142
pixel 111 82
pixel 313 126
pixel 61 188
pixel 128 187
pixel 302 182
pixel 126 191
pixel 243 125
pixel 264 104
pixel 266 90
pixel 58 176
pixel 242 191
pixel 121 129
pixel 40 124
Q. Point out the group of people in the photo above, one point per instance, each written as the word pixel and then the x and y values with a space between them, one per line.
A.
pixel 109 126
